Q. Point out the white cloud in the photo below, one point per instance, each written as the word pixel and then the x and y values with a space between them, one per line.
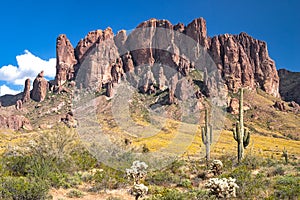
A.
pixel 6 90
pixel 29 66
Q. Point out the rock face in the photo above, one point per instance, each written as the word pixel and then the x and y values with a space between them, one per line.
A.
pixel 102 58
pixel 65 60
pixel 26 92
pixel 40 87
pixel 15 122
pixel 96 55
pixel 289 85
pixel 233 107
pixel 244 61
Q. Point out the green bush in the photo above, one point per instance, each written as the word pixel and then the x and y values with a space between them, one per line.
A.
pixel 161 193
pixel 108 178
pixel 275 172
pixel 75 194
pixel 249 186
pixel 23 188
pixel 162 178
pixel 64 180
pixel 169 194
pixel 186 183
pixel 287 187
pixel 83 159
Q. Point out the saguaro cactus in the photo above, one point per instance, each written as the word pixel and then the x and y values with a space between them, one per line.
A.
pixel 207 135
pixel 240 133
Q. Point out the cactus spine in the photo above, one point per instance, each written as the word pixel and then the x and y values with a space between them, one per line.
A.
pixel 240 133
pixel 207 135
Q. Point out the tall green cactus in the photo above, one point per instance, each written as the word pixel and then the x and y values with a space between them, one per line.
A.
pixel 241 134
pixel 207 135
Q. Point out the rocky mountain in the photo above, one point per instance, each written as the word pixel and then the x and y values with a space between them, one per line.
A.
pixel 289 85
pixel 159 56
pixel 240 59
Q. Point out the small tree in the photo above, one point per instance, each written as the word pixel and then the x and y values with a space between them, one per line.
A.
pixel 137 172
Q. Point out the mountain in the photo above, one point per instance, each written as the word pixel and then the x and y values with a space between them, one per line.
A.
pixel 177 63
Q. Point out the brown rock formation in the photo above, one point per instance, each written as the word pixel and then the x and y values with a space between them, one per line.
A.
pixel 244 61
pixel 65 60
pixel 109 89
pixel 26 92
pixel 289 85
pixel 97 53
pixel 40 87
pixel 117 71
pixel 69 120
pixel 240 59
pixel 280 106
pixel 127 62
pixel 19 105
pixel 233 107
pixel 15 122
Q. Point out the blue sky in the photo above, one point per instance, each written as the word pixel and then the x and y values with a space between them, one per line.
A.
pixel 29 27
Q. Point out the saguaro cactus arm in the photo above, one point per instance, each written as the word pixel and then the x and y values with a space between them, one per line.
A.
pixel 246 139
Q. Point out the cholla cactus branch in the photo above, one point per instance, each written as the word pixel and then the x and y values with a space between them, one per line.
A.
pixel 216 167
pixel 137 172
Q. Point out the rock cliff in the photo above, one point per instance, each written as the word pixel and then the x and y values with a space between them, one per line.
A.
pixel 102 57
pixel 289 85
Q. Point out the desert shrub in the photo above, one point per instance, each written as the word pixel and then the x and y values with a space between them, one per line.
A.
pixel 83 159
pixel 164 177
pixel 186 183
pixel 47 151
pixel 64 180
pixel 28 165
pixel 169 194
pixel 113 198
pixel 228 161
pixel 252 162
pixel 275 171
pixel 23 188
pixel 176 165
pixel 159 192
pixel 75 194
pixel 107 178
pixel 249 185
pixel 287 187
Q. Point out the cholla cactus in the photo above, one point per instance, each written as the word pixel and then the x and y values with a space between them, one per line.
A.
pixel 137 172
pixel 216 167
pixel 138 190
pixel 222 188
